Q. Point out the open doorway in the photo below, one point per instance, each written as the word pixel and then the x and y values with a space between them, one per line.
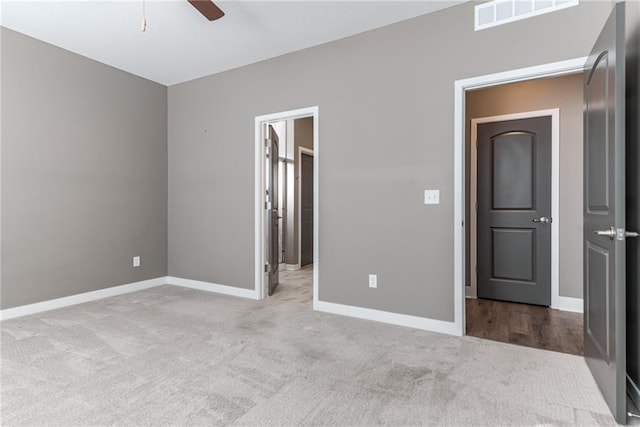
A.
pixel 524 178
pixel 286 205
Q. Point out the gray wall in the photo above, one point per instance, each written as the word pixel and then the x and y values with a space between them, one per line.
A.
pixel 84 174
pixel 386 134
pixel 564 93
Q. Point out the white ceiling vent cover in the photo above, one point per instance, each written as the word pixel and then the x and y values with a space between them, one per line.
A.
pixel 498 12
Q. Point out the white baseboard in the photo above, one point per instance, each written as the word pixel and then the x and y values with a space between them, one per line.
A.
pixel 292 267
pixel 415 322
pixel 213 287
pixel 568 304
pixel 634 391
pixel 24 310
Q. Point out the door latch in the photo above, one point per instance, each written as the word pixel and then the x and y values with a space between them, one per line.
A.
pixel 616 233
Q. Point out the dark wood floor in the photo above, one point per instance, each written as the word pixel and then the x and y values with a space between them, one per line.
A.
pixel 527 325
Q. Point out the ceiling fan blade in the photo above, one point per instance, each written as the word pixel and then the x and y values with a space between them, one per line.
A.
pixel 208 9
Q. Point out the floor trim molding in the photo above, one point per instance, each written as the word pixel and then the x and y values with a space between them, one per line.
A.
pixel 423 323
pixel 25 310
pixel 634 391
pixel 39 307
pixel 574 305
pixel 212 287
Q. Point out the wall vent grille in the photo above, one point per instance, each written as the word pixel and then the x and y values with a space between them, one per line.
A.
pixel 498 12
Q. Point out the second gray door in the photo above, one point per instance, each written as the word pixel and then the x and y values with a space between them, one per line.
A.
pixel 272 210
pixel 514 211
pixel 604 249
pixel 306 209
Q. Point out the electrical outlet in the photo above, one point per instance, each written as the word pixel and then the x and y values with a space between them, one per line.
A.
pixel 431 197
pixel 373 280
pixel 136 261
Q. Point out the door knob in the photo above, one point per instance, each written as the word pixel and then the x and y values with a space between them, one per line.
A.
pixel 611 233
pixel 631 234
pixel 542 219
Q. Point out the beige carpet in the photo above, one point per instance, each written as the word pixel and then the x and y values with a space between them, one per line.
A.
pixel 176 356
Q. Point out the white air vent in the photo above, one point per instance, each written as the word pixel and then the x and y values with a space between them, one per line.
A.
pixel 498 12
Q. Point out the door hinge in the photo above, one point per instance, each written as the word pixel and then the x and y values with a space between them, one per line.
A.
pixel 266 267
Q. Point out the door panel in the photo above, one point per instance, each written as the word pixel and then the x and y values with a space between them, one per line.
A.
pixel 513 254
pixel 272 210
pixel 597 182
pixel 514 188
pixel 513 173
pixel 604 214
pixel 306 206
pixel 597 315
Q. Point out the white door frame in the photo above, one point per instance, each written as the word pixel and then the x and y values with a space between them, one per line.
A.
pixel 260 230
pixel 303 150
pixel 472 291
pixel 561 68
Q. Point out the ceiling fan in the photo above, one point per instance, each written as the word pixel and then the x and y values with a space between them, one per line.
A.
pixel 205 7
pixel 208 9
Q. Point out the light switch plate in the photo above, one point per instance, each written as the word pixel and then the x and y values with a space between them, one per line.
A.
pixel 136 261
pixel 431 197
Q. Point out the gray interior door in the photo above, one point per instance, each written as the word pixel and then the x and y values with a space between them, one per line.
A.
pixel 272 210
pixel 604 214
pixel 514 211
pixel 306 209
pixel 632 184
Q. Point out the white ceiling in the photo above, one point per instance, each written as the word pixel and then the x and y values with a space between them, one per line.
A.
pixel 180 44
